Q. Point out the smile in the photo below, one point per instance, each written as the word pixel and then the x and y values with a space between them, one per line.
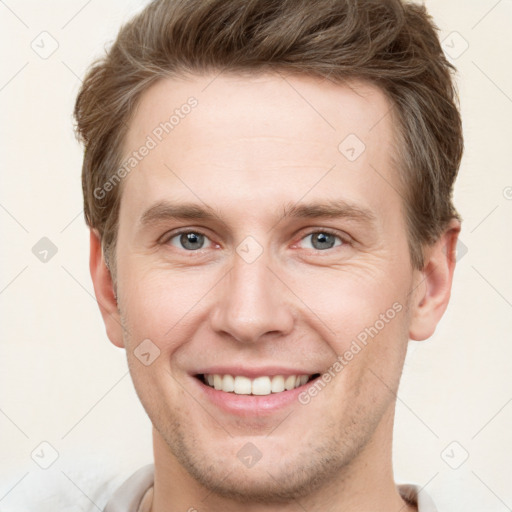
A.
pixel 260 386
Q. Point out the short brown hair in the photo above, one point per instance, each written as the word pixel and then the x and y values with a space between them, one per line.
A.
pixel 389 43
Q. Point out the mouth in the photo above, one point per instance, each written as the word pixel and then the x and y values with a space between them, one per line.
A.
pixel 259 386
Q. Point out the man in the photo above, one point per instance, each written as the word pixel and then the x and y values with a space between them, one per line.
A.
pixel 268 186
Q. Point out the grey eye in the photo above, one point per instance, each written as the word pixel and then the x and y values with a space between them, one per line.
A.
pixel 321 240
pixel 190 240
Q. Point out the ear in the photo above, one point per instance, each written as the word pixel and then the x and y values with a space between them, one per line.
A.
pixel 104 291
pixel 433 284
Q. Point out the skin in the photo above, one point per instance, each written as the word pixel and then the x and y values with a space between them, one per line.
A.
pixel 252 146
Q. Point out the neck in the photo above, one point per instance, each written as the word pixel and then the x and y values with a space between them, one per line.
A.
pixel 365 484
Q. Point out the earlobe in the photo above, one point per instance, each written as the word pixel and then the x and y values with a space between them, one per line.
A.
pixel 433 286
pixel 104 291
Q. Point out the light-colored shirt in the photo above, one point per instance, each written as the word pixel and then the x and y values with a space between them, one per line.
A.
pixel 130 497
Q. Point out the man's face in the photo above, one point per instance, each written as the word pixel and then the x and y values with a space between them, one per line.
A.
pixel 253 293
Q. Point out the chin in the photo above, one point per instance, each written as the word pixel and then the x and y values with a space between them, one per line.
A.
pixel 282 474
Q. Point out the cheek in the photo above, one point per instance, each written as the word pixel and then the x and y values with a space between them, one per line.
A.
pixel 349 300
pixel 362 316
pixel 158 304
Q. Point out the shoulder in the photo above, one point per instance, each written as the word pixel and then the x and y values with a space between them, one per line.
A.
pixel 128 496
pixel 417 496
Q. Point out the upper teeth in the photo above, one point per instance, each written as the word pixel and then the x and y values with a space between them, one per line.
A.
pixel 259 386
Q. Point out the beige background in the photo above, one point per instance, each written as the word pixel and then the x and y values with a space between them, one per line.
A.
pixel 63 383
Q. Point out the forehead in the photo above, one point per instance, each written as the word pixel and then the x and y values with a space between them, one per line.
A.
pixel 260 105
pixel 219 136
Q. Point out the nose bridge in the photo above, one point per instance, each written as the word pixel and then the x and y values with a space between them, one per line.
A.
pixel 252 301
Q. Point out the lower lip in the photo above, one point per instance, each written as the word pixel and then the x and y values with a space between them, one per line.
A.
pixel 251 405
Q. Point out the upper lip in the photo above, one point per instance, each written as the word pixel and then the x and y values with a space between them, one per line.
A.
pixel 253 372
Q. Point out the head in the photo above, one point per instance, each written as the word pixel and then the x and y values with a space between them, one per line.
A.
pixel 269 183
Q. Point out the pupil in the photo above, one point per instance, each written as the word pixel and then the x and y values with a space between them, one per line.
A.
pixel 189 239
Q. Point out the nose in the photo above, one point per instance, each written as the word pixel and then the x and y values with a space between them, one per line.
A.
pixel 252 303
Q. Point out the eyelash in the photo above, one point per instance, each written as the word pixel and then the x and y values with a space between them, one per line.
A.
pixel 345 240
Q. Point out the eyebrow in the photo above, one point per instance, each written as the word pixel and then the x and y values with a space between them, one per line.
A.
pixel 328 209
pixel 165 210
